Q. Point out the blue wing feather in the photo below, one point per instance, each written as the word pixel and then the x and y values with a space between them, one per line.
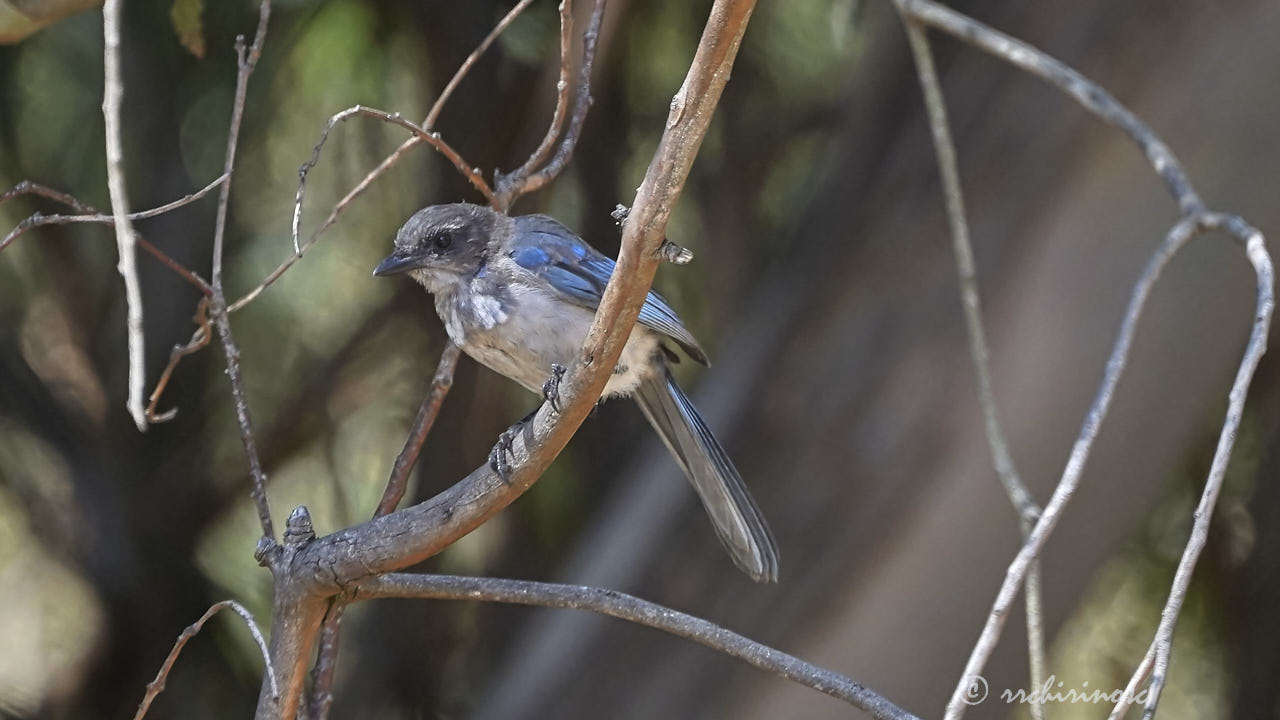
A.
pixel 577 270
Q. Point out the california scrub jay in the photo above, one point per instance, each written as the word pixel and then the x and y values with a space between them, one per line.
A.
pixel 518 295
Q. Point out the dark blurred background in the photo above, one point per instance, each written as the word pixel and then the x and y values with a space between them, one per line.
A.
pixel 823 286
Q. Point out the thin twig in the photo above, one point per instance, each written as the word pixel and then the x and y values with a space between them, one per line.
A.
pixel 321 693
pixel 1084 91
pixel 422 424
pixel 387 163
pixel 1002 459
pixel 156 686
pixel 26 187
pixel 323 674
pixel 543 151
pixel 91 216
pixel 218 304
pixel 199 340
pixel 1256 249
pixel 1179 236
pixel 432 138
pixel 518 185
pixel 919 13
pixel 126 239
pixel 641 612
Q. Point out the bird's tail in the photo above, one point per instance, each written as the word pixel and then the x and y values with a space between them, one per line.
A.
pixel 737 519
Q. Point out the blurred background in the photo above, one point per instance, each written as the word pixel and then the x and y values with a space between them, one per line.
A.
pixel 823 287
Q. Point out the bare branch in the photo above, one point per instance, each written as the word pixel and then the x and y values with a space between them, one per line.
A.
pixel 422 424
pixel 156 686
pixel 432 138
pixel 387 163
pixel 126 239
pixel 326 662
pixel 218 304
pixel 38 220
pixel 26 187
pixel 1084 91
pixel 920 13
pixel 321 692
pixel 296 617
pixel 517 184
pixel 641 612
pixel 543 151
pixel 1179 236
pixel 1256 249
pixel 1002 459
pixel 199 340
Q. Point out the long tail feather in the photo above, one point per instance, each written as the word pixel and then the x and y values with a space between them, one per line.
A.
pixel 737 520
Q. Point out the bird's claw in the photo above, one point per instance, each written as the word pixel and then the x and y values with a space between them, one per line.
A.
pixel 551 388
pixel 502 450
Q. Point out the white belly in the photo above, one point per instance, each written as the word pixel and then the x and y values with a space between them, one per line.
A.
pixel 535 332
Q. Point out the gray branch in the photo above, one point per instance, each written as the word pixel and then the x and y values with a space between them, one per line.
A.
pixel 642 612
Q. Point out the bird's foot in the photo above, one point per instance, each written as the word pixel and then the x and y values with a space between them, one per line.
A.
pixel 551 388
pixel 503 452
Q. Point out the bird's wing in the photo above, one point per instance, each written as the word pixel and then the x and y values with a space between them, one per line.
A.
pixel 580 273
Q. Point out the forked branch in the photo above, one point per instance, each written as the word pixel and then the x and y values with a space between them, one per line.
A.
pixel 918 14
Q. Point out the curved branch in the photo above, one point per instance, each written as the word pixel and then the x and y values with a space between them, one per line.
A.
pixel 1078 87
pixel 412 534
pixel 1001 458
pixel 642 612
pixel 156 686
pixel 387 162
pixel 432 138
pixel 526 179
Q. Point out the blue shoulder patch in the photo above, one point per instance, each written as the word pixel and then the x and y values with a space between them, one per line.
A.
pixel 530 257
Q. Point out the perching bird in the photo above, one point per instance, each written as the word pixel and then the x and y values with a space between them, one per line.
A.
pixel 518 294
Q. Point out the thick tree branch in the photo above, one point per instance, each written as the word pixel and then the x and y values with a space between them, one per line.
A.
pixel 413 534
pixel 641 612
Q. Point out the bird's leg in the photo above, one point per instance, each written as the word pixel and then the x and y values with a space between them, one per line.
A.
pixel 498 461
pixel 551 388
pixel 505 447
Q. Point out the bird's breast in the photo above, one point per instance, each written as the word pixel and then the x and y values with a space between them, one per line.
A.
pixel 521 332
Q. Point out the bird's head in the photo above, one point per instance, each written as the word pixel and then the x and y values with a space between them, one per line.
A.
pixel 443 244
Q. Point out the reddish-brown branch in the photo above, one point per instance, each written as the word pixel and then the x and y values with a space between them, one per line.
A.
pixel 432 138
pixel 199 340
pixel 422 424
pixel 525 180
pixel 543 151
pixel 156 686
pixel 90 215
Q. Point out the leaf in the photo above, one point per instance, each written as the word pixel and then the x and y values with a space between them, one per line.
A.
pixel 186 22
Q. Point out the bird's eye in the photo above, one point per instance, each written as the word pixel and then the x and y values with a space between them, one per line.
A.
pixel 442 240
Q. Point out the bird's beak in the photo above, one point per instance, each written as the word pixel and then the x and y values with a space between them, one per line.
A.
pixel 397 262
